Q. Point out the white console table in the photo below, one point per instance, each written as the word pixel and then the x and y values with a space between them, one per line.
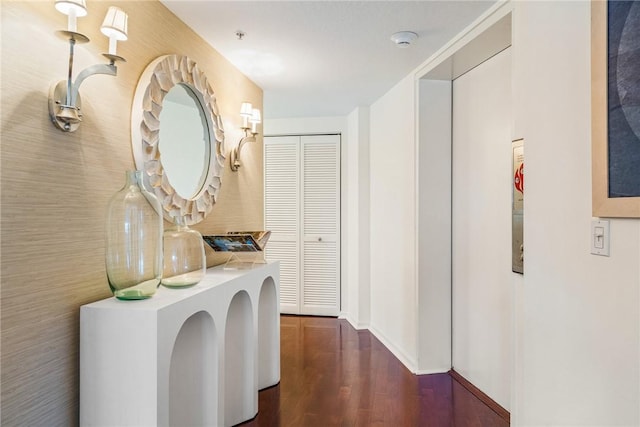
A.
pixel 185 357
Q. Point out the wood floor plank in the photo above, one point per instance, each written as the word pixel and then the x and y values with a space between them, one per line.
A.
pixel 334 375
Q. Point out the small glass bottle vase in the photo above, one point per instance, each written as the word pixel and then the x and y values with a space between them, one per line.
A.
pixel 134 241
pixel 184 260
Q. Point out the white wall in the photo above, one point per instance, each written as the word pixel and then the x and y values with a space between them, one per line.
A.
pixel 434 226
pixel 579 353
pixel 481 231
pixel 392 221
pixel 307 125
pixel 357 306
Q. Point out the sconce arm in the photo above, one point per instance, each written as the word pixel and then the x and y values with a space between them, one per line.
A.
pixel 235 153
pixel 109 69
pixel 244 140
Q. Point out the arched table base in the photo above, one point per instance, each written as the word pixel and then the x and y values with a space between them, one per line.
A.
pixel 170 360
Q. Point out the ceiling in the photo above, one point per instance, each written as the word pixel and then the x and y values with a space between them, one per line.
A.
pixel 325 58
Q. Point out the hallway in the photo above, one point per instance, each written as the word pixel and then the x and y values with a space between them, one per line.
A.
pixel 334 375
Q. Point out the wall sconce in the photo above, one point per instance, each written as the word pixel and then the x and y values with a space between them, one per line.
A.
pixel 249 115
pixel 64 96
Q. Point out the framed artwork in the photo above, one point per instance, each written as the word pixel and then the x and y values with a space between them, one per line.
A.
pixel 615 104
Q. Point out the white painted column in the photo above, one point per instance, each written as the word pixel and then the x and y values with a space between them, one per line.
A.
pixel 434 224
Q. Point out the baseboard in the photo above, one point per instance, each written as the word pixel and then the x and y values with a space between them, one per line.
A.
pixel 356 325
pixel 492 404
pixel 432 371
pixel 399 354
pixel 407 361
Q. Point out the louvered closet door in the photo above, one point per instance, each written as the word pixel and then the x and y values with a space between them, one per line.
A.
pixel 302 210
pixel 282 215
pixel 320 225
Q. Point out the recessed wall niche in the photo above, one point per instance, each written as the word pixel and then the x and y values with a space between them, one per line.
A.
pixel 434 182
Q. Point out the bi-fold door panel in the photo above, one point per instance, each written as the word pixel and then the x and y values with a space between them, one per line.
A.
pixel 281 157
pixel 320 224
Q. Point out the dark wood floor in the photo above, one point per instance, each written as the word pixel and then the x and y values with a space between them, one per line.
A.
pixel 334 375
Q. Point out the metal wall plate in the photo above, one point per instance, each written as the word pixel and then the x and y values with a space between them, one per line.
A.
pixel 58 98
pixel 517 207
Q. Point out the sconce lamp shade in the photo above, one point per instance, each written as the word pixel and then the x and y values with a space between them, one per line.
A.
pixel 72 7
pixel 115 24
pixel 255 119
pixel 246 110
pixel 255 116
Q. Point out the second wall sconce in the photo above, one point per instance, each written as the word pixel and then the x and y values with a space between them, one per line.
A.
pixel 249 115
pixel 64 96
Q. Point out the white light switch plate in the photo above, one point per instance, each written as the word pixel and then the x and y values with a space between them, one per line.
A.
pixel 600 237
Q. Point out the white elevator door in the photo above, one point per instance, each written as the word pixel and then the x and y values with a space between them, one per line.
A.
pixel 302 210
pixel 481 227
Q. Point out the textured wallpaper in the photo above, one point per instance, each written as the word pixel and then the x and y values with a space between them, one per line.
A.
pixel 55 187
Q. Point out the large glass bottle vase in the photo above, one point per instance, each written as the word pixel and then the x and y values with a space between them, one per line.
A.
pixel 134 240
pixel 184 259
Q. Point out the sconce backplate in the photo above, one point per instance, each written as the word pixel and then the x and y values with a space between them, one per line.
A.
pixel 58 98
pixel 234 161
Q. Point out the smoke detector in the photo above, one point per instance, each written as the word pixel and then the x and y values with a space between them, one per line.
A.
pixel 404 38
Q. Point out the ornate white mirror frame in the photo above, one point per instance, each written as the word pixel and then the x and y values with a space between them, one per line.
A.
pixel 160 76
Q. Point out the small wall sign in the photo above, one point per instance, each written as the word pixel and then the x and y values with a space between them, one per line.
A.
pixel 517 207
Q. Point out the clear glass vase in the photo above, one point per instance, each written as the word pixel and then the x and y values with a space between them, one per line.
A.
pixel 134 240
pixel 184 260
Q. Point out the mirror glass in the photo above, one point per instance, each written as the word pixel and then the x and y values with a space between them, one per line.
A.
pixel 183 142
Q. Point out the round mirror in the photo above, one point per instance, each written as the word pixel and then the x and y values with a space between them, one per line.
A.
pixel 177 137
pixel 183 143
